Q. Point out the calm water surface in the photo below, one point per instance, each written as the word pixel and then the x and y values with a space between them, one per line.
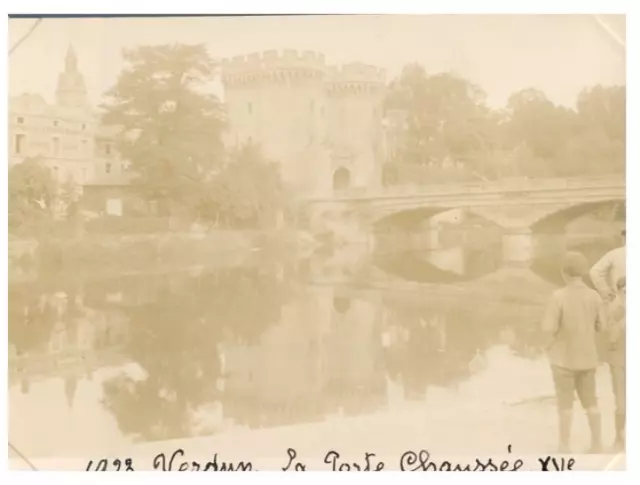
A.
pixel 97 362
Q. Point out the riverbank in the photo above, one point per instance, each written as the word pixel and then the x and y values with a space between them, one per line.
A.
pixel 474 420
pixel 129 253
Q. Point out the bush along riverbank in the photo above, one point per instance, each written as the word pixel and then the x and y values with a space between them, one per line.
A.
pixel 166 250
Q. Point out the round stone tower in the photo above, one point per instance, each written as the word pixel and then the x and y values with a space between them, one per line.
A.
pixel 277 100
pixel 354 97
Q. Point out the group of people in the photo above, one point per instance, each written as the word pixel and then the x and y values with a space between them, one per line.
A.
pixel 577 318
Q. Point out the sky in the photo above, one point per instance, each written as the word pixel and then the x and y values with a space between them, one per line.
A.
pixel 559 54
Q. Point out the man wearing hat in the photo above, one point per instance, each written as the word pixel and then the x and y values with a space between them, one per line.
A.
pixel 574 315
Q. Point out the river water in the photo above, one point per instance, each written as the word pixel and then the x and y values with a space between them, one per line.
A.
pixel 98 362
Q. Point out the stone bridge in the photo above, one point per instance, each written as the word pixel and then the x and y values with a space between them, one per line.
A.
pixel 516 204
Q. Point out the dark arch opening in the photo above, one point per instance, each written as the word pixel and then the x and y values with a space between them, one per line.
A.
pixel 616 211
pixel 341 304
pixel 407 219
pixel 341 179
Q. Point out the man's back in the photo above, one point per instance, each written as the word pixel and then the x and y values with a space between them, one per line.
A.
pixel 574 315
pixel 608 270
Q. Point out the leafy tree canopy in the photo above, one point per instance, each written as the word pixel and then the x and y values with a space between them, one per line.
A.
pixel 445 118
pixel 248 191
pixel 171 127
pixel 32 193
pixel 445 115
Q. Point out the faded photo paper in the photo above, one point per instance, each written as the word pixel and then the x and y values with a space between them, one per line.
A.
pixel 317 243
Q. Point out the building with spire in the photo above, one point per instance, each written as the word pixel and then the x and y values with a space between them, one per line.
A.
pixel 71 91
pixel 67 134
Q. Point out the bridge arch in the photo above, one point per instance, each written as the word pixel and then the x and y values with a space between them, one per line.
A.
pixel 405 219
pixel 557 220
pixel 418 270
pixel 341 179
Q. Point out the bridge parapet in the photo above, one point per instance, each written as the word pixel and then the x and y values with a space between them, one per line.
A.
pixel 504 185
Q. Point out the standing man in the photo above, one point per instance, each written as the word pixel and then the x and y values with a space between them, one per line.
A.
pixel 609 277
pixel 607 272
pixel 616 358
pixel 574 315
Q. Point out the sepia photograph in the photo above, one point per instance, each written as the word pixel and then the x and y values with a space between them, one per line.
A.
pixel 317 243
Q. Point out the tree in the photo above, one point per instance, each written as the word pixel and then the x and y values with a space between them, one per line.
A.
pixel 68 196
pixel 247 192
pixel 446 116
pixel 538 123
pixel 602 121
pixel 563 142
pixel 604 108
pixel 171 129
pixel 32 194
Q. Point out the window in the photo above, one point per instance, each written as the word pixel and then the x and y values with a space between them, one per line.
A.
pixel 107 149
pixel 19 143
pixel 56 146
pixel 114 207
pixel 55 123
pixel 107 167
pixel 84 147
pixel 20 120
pixel 250 108
pixel 55 171
pixel 84 126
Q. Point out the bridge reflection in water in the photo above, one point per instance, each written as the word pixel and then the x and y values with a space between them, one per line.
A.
pixel 157 357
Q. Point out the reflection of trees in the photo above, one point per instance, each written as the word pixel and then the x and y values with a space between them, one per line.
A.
pixel 32 314
pixel 37 310
pixel 436 345
pixel 178 352
pixel 175 339
pixel 242 302
pixel 31 319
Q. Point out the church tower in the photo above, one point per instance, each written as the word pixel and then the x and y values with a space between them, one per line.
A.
pixel 71 91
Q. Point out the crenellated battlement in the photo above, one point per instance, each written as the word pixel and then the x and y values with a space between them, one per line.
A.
pixel 260 62
pixel 298 108
pixel 273 65
pixel 356 72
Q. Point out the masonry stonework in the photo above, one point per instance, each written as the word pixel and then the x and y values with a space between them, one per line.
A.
pixel 322 123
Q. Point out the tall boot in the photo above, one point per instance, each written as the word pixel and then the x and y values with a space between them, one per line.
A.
pixel 620 421
pixel 565 419
pixel 595 425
